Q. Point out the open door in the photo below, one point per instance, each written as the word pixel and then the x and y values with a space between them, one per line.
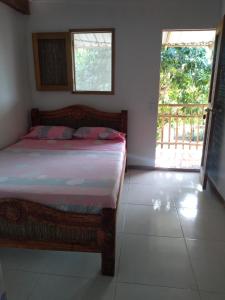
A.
pixel 217 82
pixel 185 77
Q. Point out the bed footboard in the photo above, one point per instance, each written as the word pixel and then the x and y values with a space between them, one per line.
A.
pixel 24 224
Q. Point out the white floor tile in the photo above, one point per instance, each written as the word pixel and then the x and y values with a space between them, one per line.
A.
pixel 208 260
pixel 212 296
pixel 127 178
pixel 121 213
pixel 203 224
pixel 194 199
pixel 184 179
pixel 99 288
pixel 124 192
pixel 22 259
pixel 75 263
pixel 71 288
pixel 72 263
pixel 55 262
pixel 58 288
pixel 142 219
pixel 155 260
pixel 144 177
pixel 142 292
pixel 19 284
pixel 148 195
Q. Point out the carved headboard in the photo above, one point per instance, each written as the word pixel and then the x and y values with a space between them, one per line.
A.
pixel 80 116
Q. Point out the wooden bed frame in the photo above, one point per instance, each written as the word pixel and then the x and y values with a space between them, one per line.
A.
pixel 78 232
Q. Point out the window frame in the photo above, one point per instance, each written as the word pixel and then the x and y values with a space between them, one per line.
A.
pixel 94 30
pixel 40 85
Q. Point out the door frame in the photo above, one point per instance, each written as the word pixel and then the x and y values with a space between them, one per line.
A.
pixel 209 97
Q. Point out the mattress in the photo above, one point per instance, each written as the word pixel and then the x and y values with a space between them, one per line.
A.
pixel 75 175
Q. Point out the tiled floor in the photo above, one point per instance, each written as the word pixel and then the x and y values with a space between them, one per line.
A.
pixel 178 158
pixel 170 246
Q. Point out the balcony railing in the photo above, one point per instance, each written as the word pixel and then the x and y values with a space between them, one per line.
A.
pixel 181 126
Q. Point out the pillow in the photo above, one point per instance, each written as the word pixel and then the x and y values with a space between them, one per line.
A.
pixel 98 133
pixel 50 133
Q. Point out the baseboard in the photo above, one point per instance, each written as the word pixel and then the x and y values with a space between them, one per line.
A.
pixel 144 168
pixel 149 168
pixel 178 170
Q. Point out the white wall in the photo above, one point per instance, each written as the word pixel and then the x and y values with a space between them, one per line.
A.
pixel 138 26
pixel 13 75
pixel 223 8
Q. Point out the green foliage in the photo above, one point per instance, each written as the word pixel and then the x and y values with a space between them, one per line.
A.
pixel 184 79
pixel 184 75
pixel 93 69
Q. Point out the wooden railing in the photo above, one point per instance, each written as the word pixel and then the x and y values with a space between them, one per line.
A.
pixel 181 125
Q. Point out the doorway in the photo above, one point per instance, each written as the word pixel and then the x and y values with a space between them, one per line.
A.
pixel 185 74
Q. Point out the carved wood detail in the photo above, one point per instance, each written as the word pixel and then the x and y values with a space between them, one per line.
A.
pixel 23 220
pixel 19 211
pixel 80 115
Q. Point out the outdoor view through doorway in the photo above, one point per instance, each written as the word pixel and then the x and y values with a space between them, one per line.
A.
pixel 185 73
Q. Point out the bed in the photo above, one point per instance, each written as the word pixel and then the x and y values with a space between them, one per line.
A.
pixel 52 197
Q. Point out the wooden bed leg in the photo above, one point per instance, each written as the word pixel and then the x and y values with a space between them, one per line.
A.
pixel 126 167
pixel 109 241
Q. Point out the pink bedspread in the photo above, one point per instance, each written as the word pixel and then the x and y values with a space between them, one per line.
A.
pixel 73 175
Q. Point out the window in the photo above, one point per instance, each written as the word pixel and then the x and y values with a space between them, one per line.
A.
pixel 52 61
pixel 93 61
pixel 80 60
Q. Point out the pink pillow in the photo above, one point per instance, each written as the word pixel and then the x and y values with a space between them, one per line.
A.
pixel 98 133
pixel 50 133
